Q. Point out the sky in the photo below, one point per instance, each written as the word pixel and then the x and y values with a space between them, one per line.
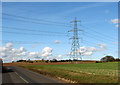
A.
pixel 39 30
pixel 60 1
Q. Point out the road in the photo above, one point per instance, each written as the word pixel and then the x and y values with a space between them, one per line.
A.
pixel 18 75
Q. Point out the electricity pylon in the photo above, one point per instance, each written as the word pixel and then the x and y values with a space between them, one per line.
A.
pixel 75 49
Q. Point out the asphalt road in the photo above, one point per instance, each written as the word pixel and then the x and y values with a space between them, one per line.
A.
pixel 18 75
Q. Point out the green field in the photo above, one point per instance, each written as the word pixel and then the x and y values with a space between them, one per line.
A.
pixel 81 73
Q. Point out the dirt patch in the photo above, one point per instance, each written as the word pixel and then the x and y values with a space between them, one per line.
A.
pixel 10 64
pixel 42 63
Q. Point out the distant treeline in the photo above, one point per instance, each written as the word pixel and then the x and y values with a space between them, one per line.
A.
pixel 104 59
pixel 109 59
pixel 46 61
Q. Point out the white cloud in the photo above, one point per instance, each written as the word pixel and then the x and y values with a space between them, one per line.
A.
pixel 114 21
pixel 82 49
pixel 9 53
pixel 68 53
pixel 3 55
pixel 47 51
pixel 22 49
pixel 57 41
pixel 3 49
pixel 102 47
pixel 48 58
pixel 33 54
pixel 59 57
pixel 9 45
pixel 24 53
pixel 87 53
pixel 92 49
pixel 117 25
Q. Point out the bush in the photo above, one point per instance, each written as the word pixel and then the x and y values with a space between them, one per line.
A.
pixel 108 58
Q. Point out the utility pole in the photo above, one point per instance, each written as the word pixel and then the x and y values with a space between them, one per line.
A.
pixel 75 52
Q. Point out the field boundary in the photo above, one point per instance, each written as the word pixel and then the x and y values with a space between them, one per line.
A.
pixel 51 75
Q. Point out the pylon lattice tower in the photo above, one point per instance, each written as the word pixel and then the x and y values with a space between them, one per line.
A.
pixel 75 53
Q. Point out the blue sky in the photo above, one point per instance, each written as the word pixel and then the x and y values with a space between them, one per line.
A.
pixel 96 20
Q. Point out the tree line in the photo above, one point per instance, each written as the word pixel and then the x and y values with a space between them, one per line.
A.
pixel 104 59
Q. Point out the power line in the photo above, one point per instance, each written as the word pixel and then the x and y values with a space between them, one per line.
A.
pixel 27 21
pixel 36 22
pixel 92 43
pixel 98 33
pixel 30 33
pixel 93 37
pixel 52 32
pixel 33 18
pixel 31 30
pixel 48 35
pixel 100 37
pixel 47 24
pixel 52 22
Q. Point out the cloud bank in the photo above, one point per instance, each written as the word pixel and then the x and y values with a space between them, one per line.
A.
pixel 88 51
pixel 9 53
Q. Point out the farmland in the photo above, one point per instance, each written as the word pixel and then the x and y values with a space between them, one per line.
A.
pixel 80 73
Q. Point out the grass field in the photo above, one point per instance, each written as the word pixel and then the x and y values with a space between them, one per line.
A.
pixel 81 73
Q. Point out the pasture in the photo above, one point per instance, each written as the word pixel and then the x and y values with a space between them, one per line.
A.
pixel 80 73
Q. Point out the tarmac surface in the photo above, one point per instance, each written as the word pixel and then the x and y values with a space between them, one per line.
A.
pixel 14 75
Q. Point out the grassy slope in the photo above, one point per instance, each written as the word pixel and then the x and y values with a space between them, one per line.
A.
pixel 82 73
